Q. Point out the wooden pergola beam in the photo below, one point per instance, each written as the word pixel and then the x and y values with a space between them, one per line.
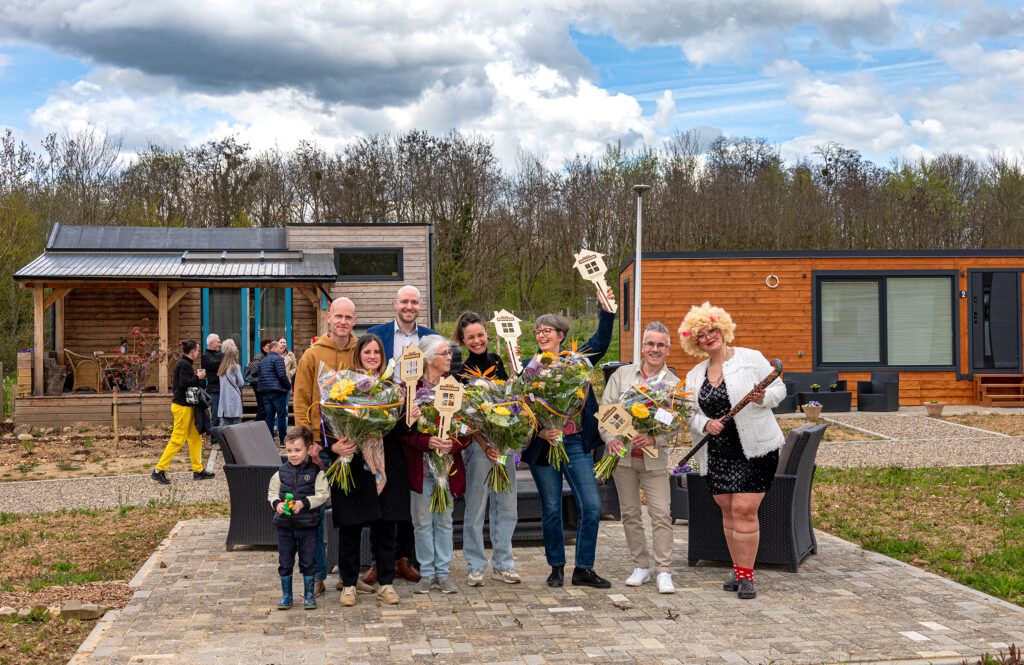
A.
pixel 148 295
pixel 161 306
pixel 37 344
pixel 178 295
pixel 56 296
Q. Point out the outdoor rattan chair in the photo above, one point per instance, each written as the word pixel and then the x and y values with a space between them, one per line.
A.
pixel 85 370
pixel 251 459
pixel 787 534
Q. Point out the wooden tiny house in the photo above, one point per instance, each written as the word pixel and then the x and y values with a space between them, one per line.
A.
pixel 950 322
pixel 184 283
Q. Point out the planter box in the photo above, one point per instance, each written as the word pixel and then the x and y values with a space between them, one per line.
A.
pixel 934 410
pixel 25 360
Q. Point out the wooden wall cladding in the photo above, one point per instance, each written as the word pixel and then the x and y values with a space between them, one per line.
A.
pixel 777 321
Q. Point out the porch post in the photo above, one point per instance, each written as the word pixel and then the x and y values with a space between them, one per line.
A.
pixel 162 330
pixel 37 344
pixel 58 330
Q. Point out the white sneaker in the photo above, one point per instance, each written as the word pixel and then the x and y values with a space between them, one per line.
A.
pixel 475 578
pixel 665 583
pixel 639 576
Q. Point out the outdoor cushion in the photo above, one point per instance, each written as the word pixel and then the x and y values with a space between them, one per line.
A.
pixel 251 443
pixel 787 448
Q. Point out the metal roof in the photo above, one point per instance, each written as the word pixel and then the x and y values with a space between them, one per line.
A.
pixel 162 239
pixel 304 266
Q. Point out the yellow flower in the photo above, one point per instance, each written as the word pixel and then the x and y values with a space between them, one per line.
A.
pixel 499 382
pixel 640 411
pixel 546 358
pixel 342 389
pixel 502 411
pixel 579 393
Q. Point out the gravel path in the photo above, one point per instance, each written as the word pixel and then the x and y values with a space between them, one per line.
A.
pixel 965 451
pixel 908 427
pixel 39 496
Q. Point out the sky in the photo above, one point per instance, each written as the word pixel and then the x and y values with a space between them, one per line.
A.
pixel 891 79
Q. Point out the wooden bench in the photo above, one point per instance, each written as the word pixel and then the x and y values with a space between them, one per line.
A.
pixel 999 389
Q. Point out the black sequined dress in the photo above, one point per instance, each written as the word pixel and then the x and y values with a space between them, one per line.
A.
pixel 729 470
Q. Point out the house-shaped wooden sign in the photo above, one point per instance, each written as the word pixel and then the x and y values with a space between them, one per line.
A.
pixel 592 268
pixel 616 420
pixel 507 325
pixel 447 401
pixel 409 370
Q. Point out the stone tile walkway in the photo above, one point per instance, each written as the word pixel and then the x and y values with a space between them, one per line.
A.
pixel 198 604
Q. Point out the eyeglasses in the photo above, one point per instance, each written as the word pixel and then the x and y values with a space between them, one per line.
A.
pixel 703 337
pixel 655 345
pixel 544 331
pixel 444 354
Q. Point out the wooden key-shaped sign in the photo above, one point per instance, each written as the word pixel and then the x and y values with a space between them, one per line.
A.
pixel 507 326
pixel 409 370
pixel 617 421
pixel 447 400
pixel 592 268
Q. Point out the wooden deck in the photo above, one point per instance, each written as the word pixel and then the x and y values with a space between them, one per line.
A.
pixel 94 409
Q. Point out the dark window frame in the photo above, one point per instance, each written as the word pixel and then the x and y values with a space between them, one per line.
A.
pixel 879 276
pixel 338 251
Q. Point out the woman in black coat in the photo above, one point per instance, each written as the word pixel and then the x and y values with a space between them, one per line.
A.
pixel 363 506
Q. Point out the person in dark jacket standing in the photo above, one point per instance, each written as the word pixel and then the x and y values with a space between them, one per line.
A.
pixel 210 362
pixel 184 377
pixel 274 386
pixel 296 492
pixel 251 376
pixel 580 439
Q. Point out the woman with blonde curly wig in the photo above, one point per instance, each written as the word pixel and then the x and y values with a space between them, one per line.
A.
pixel 740 459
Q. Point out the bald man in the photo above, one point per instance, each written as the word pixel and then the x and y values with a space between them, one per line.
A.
pixel 334 349
pixel 403 331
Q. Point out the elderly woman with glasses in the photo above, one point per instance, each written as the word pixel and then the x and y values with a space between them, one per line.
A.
pixel 581 437
pixel 740 459
pixel 433 531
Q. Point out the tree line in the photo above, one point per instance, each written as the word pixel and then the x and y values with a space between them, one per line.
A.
pixel 506 233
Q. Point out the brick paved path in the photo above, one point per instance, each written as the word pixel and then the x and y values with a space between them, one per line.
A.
pixel 208 606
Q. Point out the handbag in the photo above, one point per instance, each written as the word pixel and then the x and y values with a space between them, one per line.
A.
pixel 192 395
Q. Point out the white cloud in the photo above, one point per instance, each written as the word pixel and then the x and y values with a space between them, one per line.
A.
pixel 5 60
pixel 666 112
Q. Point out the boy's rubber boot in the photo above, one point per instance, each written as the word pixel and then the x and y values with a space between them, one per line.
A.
pixel 308 601
pixel 286 594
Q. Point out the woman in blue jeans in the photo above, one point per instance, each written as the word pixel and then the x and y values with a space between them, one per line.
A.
pixel 580 441
pixel 471 332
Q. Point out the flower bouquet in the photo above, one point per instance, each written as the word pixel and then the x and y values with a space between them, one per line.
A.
pixel 491 408
pixel 360 409
pixel 555 388
pixel 657 408
pixel 439 465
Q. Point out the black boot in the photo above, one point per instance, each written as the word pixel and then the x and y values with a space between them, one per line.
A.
pixel 587 577
pixel 202 475
pixel 557 576
pixel 160 477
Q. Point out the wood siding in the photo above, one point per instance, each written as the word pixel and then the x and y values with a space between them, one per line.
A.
pixel 373 299
pixel 91 409
pixel 778 322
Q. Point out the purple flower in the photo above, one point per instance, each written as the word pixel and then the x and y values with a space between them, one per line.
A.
pixel 517 458
pixel 681 469
pixel 364 384
pixel 422 393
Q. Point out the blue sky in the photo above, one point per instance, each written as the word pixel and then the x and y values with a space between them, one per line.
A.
pixel 890 79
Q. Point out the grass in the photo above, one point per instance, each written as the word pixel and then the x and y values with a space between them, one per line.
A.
pixel 966 524
pixel 7 402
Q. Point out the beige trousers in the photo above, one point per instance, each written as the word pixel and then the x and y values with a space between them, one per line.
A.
pixel 655 483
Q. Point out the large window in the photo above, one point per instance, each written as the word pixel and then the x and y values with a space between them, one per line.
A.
pixel 368 264
pixel 885 321
pixel 247 315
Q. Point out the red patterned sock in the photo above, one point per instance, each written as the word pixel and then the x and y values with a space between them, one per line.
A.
pixel 736 570
pixel 744 573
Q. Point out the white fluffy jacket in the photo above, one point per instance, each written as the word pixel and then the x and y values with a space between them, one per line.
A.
pixel 758 430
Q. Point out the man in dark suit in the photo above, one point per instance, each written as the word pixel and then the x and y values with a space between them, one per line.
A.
pixel 403 331
pixel 396 335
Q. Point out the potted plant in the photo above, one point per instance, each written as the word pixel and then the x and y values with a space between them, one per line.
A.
pixel 815 387
pixel 812 410
pixel 934 408
pixel 833 387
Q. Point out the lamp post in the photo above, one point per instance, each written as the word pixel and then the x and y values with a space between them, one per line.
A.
pixel 637 331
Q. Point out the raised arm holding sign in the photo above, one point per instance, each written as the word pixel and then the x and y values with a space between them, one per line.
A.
pixel 592 268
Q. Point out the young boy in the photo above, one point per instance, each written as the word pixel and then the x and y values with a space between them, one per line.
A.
pixel 297 517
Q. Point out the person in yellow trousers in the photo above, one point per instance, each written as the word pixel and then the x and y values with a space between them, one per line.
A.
pixel 185 377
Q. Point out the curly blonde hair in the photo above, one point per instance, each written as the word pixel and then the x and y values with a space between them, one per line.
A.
pixel 699 318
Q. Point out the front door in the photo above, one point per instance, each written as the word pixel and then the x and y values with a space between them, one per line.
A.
pixel 995 321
